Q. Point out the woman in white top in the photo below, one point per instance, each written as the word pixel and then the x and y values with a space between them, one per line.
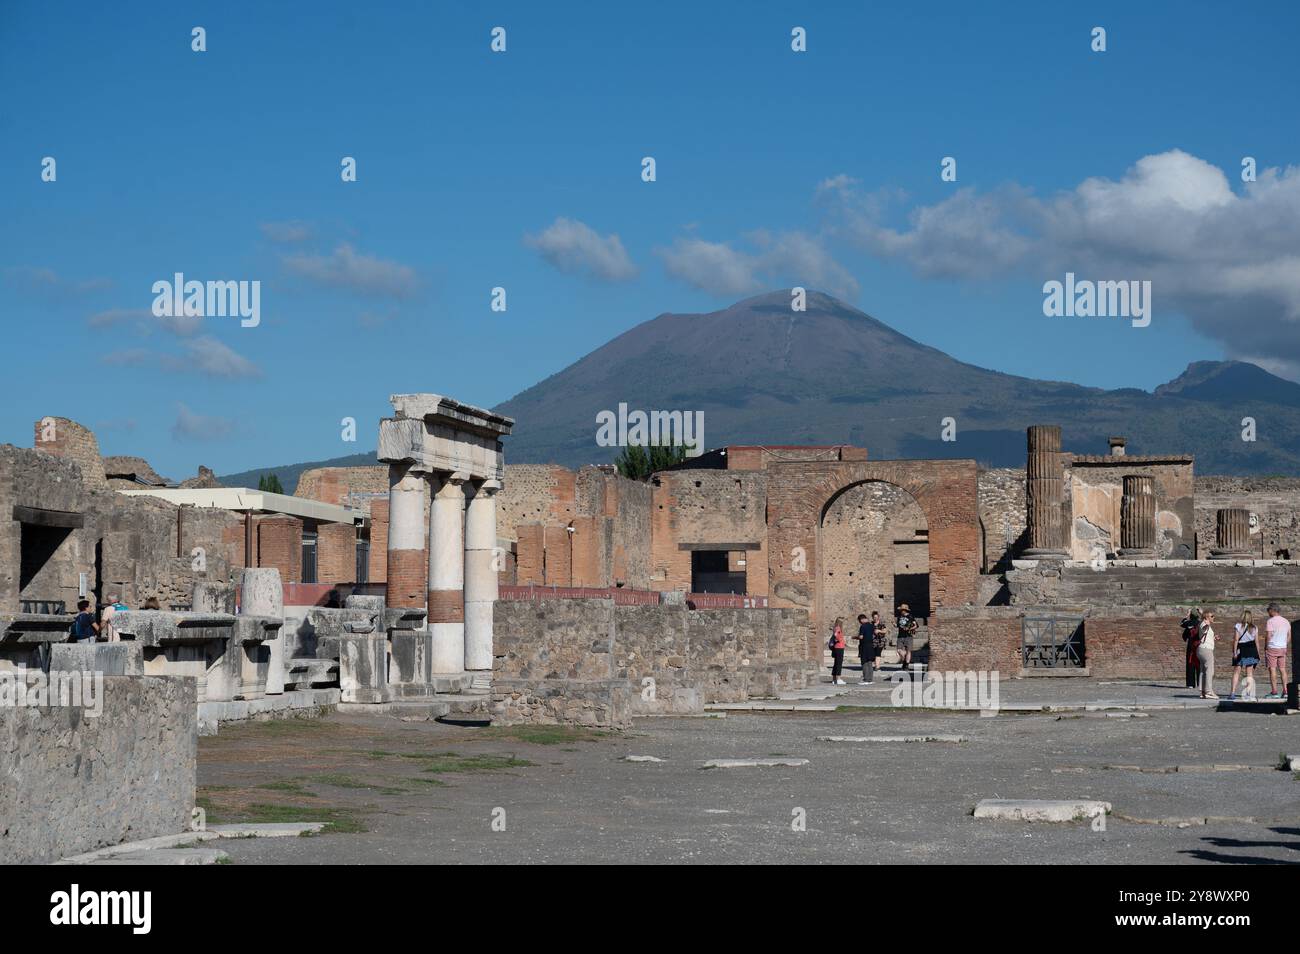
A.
pixel 1245 657
pixel 1205 653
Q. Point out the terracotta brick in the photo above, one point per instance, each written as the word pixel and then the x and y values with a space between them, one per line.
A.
pixel 446 606
pixel 407 578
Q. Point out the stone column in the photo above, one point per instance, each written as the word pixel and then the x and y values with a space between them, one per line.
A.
pixel 262 594
pixel 447 572
pixel 1231 535
pixel 405 537
pixel 480 573
pixel 1137 519
pixel 1044 493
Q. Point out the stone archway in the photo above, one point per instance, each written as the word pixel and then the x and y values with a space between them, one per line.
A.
pixel 873 548
pixel 799 492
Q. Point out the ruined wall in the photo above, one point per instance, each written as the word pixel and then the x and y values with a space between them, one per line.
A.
pixel 535 493
pixel 590 662
pixel 703 507
pixel 70 783
pixel 344 486
pixel 61 437
pixel 127 546
pixel 1274 503
pixel 1095 486
pixel 1002 516
pixel 872 534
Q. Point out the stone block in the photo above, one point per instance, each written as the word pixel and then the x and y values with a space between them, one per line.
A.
pixel 112 659
pixel 363 668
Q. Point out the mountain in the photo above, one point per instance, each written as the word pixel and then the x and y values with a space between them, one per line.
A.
pixel 833 374
pixel 289 473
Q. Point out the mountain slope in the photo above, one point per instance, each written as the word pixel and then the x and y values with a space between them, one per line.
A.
pixel 832 374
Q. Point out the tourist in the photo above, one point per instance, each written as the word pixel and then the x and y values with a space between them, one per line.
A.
pixel 882 633
pixel 837 651
pixel 1191 624
pixel 83 627
pixel 1245 657
pixel 151 604
pixel 1279 639
pixel 866 647
pixel 907 626
pixel 1205 655
pixel 107 631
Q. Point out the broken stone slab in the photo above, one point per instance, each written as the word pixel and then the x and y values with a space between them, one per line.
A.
pixel 183 839
pixel 1293 763
pixel 267 830
pixel 754 763
pixel 166 856
pixel 112 659
pixel 1041 809
pixel 892 738
pixel 642 758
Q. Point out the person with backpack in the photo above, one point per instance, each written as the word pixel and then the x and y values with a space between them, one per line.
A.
pixel 107 632
pixel 1191 626
pixel 907 627
pixel 83 628
pixel 836 646
pixel 1245 657
pixel 866 647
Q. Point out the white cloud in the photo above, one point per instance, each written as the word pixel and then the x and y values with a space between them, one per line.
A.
pixel 207 355
pixel 142 321
pixel 1229 261
pixel 361 274
pixel 575 247
pixel 794 258
pixel 46 282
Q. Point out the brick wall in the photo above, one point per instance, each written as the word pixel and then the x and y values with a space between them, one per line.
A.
pixel 559 568
pixel 336 553
pixel 379 540
pixel 989 642
pixel 279 545
pixel 530 555
pixel 66 438
pixel 336 484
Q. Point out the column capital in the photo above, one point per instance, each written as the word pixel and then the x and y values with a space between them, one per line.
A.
pixel 448 484
pixel 489 486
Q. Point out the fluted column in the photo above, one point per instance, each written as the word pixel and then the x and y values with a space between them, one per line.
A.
pixel 1231 535
pixel 405 537
pixel 480 573
pixel 1137 519
pixel 447 572
pixel 1044 493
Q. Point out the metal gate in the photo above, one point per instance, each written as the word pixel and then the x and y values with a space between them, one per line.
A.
pixel 1052 642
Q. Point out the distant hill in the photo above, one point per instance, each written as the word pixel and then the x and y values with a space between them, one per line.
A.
pixel 833 374
pixel 762 374
pixel 289 473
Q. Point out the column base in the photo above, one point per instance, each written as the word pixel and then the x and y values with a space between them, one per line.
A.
pixel 1231 555
pixel 1039 554
pixel 1137 553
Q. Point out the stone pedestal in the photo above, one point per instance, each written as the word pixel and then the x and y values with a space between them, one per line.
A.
pixel 1231 535
pixel 363 667
pixel 1044 494
pixel 1137 519
pixel 406 583
pixel 447 572
pixel 262 594
pixel 480 574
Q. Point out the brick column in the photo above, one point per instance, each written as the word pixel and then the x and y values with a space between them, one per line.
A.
pixel 405 577
pixel 480 573
pixel 1044 493
pixel 1231 535
pixel 447 572
pixel 1137 519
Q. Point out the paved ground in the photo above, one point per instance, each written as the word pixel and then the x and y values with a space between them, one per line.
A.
pixel 427 792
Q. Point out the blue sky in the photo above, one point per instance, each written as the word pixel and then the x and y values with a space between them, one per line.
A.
pixel 518 169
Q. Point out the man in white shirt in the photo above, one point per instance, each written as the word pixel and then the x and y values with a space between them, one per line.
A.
pixel 1279 641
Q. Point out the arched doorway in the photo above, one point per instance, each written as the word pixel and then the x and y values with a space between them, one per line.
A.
pixel 874 553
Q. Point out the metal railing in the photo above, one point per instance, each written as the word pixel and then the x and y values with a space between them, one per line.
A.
pixel 1052 642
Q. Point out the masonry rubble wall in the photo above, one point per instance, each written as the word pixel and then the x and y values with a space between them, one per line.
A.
pixel 71 782
pixel 591 662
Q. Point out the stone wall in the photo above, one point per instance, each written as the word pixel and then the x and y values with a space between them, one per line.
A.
pixel 1094 486
pixel 1002 516
pixel 344 486
pixel 1274 504
pixel 127 545
pixel 71 783
pixel 590 662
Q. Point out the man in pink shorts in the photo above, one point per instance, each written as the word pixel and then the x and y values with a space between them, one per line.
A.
pixel 1279 640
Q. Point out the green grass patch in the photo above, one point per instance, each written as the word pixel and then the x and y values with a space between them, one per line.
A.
pixel 451 763
pixel 291 786
pixel 543 734
pixel 341 820
pixel 348 781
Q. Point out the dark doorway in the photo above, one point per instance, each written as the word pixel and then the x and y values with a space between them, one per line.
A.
pixel 711 573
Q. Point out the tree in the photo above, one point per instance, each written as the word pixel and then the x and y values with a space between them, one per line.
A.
pixel 638 463
pixel 269 483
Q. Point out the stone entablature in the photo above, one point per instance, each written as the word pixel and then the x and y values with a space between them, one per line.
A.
pixel 450 453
